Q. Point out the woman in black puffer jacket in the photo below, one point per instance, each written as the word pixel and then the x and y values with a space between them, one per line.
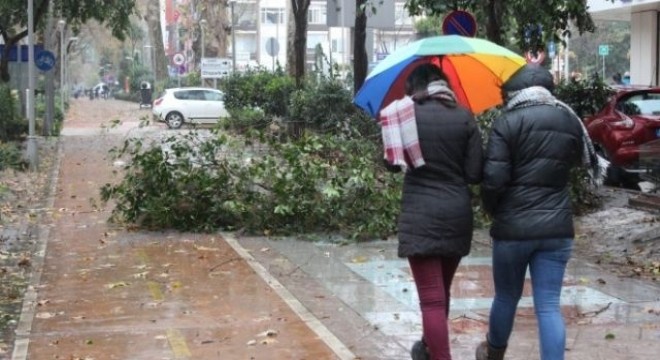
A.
pixel 436 223
pixel 531 150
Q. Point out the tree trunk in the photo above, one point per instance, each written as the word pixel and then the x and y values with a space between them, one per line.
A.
pixel 218 27
pixel 4 62
pixel 360 61
pixel 299 9
pixel 494 10
pixel 152 17
pixel 290 41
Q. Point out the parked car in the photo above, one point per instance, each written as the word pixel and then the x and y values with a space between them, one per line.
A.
pixel 189 105
pixel 623 132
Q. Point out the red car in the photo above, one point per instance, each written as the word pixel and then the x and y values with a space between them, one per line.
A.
pixel 624 132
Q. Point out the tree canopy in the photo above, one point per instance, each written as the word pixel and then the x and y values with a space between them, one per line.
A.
pixel 13 19
pixel 529 25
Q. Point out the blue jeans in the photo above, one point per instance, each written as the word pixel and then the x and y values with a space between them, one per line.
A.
pixel 547 261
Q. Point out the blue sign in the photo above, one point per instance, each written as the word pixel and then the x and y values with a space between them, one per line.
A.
pixel 551 49
pixel 459 22
pixel 44 60
pixel 13 52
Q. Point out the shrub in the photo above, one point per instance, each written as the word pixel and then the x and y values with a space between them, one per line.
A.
pixel 323 105
pixel 11 157
pixel 243 120
pixel 12 127
pixel 585 97
pixel 132 97
pixel 259 88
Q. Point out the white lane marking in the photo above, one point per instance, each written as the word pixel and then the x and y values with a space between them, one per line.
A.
pixel 314 323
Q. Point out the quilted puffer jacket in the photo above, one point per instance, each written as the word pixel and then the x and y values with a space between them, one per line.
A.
pixel 436 211
pixel 529 155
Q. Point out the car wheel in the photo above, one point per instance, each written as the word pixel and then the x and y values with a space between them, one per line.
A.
pixel 174 120
pixel 613 176
pixel 616 176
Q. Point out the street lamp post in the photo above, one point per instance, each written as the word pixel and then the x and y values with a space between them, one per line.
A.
pixel 61 24
pixel 32 141
pixel 71 40
pixel 233 37
pixel 202 25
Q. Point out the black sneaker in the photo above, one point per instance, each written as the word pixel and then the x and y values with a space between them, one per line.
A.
pixel 419 352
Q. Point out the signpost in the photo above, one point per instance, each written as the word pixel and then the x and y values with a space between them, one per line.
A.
pixel 272 48
pixel 178 59
pixel 459 22
pixel 603 50
pixel 216 68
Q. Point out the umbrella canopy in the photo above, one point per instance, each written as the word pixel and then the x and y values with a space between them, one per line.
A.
pixel 476 69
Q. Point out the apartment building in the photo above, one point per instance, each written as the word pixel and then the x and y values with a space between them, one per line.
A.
pixel 261 31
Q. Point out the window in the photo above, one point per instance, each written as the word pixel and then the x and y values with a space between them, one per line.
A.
pixel 272 16
pixel 213 96
pixel 182 95
pixel 315 39
pixel 316 14
pixel 401 16
pixel 641 104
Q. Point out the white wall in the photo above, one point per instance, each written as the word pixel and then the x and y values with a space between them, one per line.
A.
pixel 643 48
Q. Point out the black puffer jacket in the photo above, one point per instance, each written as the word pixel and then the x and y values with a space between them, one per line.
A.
pixel 436 211
pixel 530 153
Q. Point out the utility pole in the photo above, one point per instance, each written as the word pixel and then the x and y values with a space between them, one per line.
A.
pixel 32 151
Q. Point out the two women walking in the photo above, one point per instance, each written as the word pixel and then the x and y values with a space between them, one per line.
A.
pixel 524 174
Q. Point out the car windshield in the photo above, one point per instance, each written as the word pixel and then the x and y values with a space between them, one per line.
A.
pixel 641 104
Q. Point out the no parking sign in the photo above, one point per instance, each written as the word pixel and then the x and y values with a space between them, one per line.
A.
pixel 459 22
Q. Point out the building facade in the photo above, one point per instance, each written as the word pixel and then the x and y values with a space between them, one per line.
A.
pixel 261 31
pixel 644 18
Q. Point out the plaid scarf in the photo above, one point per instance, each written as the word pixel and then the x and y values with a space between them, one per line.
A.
pixel 399 126
pixel 399 130
pixel 538 95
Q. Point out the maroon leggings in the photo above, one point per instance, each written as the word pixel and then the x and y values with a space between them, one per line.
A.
pixel 433 276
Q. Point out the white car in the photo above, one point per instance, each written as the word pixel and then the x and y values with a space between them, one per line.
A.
pixel 196 105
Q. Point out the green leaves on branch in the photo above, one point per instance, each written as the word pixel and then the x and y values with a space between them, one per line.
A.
pixel 318 183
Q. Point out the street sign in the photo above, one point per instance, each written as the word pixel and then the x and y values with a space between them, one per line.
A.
pixel 535 58
pixel 272 47
pixel 178 59
pixel 44 60
pixel 459 22
pixel 552 50
pixel 20 54
pixel 215 68
pixel 603 50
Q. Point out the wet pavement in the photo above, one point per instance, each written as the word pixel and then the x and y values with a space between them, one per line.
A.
pixel 102 292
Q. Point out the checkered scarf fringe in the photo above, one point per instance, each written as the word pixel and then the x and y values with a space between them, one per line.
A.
pixel 537 95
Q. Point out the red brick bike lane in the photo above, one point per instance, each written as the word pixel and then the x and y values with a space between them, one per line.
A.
pixel 107 293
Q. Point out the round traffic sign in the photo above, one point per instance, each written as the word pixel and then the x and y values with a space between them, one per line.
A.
pixel 459 22
pixel 178 59
pixel 535 58
pixel 45 60
pixel 272 46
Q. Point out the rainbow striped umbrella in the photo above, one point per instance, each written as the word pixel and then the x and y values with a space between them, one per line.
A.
pixel 476 69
